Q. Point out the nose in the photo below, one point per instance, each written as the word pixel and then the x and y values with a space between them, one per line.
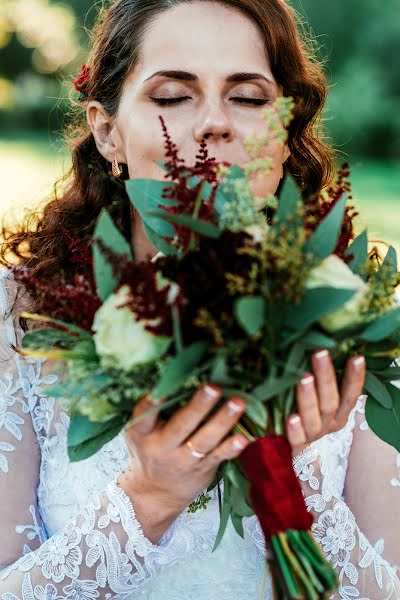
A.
pixel 214 125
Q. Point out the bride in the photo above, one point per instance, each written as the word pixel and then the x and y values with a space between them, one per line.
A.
pixel 116 525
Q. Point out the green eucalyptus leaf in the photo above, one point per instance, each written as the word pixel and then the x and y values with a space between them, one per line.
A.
pixel 255 408
pixel 178 369
pixel 382 327
pixel 385 423
pixel 389 265
pixel 289 198
pixel 46 339
pixel 324 239
pixel 240 505
pixel 236 476
pixel 250 313
pixel 390 374
pixel 159 242
pixel 359 250
pixel 237 522
pixel 85 438
pixel 272 387
pixel 198 225
pixel 378 390
pixel 219 373
pixel 107 232
pixel 224 516
pixel 146 196
pixel 315 339
pixel 315 304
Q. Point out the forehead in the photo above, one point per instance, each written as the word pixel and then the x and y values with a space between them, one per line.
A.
pixel 204 38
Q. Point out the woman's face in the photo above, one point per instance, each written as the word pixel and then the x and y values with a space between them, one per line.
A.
pixel 203 67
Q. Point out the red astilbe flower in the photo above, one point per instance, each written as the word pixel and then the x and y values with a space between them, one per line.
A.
pixel 319 209
pixel 70 296
pixel 185 195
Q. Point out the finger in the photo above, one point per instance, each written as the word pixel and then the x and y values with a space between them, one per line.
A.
pixel 218 427
pixel 146 422
pixel 296 434
pixel 308 405
pixel 188 418
pixel 230 448
pixel 351 388
pixel 327 387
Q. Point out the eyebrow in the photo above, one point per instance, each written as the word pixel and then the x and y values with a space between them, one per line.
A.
pixel 232 77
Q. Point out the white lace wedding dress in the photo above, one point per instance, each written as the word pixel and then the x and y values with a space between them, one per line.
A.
pixel 67 530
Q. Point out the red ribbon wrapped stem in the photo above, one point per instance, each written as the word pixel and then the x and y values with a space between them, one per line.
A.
pixel 275 491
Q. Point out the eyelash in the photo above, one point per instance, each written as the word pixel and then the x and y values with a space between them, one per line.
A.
pixel 171 101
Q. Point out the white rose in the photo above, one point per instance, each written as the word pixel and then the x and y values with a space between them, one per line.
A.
pixel 333 272
pixel 121 340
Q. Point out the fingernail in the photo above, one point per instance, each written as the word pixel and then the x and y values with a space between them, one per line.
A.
pixel 234 408
pixel 359 362
pixel 307 380
pixel 210 392
pixel 321 356
pixel 295 421
pixel 238 444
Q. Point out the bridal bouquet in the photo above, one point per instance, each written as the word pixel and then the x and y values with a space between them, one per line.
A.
pixel 237 298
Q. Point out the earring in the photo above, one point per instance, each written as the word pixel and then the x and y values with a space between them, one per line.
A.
pixel 282 172
pixel 116 169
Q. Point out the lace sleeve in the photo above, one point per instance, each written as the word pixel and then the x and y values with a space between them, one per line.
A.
pixel 100 553
pixel 353 528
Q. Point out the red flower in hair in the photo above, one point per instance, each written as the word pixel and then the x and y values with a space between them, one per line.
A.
pixel 82 78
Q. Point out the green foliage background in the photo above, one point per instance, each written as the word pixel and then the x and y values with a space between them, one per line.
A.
pixel 44 42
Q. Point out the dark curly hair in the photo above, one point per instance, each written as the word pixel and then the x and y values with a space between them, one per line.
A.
pixel 89 186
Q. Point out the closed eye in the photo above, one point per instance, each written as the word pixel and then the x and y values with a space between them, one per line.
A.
pixel 170 101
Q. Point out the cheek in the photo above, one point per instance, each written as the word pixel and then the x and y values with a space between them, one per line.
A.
pixel 144 145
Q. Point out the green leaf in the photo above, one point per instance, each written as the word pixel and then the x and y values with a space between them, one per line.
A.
pixel 255 408
pixel 237 522
pixel 159 241
pixel 359 249
pixel 85 438
pixel 178 370
pixel 197 225
pixel 314 339
pixel 289 198
pixel 236 476
pixel 146 196
pixel 385 423
pixel 219 373
pixel 226 191
pixel 323 241
pixel 378 390
pixel 382 327
pixel 389 265
pixel 240 505
pixel 315 304
pixel 272 387
pixel 250 313
pixel 107 232
pixel 224 516
pixel 46 339
pixel 390 374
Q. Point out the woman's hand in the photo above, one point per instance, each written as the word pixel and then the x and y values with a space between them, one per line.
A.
pixel 173 462
pixel 323 406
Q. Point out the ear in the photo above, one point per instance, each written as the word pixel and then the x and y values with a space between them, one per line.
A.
pixel 105 133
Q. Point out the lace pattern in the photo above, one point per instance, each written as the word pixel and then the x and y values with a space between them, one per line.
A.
pixel 72 533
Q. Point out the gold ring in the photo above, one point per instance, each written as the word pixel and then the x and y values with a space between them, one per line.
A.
pixel 194 452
